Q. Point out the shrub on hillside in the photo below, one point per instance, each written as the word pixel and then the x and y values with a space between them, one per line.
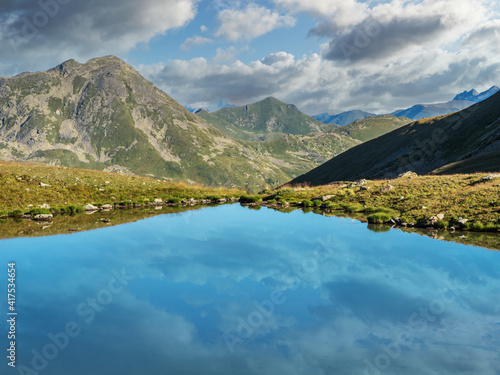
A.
pixel 378 218
pixel 250 199
pixel 40 211
pixel 317 203
pixel 307 203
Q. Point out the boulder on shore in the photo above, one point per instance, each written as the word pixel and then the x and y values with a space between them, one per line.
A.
pixel 43 217
pixel 434 219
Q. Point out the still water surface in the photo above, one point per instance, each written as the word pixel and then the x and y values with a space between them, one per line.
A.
pixel 229 290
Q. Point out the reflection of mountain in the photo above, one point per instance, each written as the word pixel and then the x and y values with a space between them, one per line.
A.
pixel 190 280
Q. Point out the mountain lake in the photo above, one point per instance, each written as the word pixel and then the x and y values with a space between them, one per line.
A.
pixel 232 290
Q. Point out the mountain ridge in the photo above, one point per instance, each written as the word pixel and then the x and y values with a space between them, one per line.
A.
pixel 269 118
pixel 104 115
pixel 422 146
pixel 417 111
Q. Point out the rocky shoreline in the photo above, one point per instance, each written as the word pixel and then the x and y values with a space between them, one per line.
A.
pixel 90 208
pixel 433 223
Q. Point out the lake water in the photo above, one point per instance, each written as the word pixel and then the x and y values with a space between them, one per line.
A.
pixel 230 290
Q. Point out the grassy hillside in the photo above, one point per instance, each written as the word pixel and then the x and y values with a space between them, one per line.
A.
pixel 343 118
pixel 422 146
pixel 295 153
pixel 484 163
pixel 265 120
pixel 373 126
pixel 21 188
pixel 413 199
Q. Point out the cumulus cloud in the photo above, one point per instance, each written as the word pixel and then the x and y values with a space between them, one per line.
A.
pixel 333 12
pixel 235 82
pixel 316 84
pixel 391 28
pixel 485 36
pixel 388 56
pixel 54 30
pixel 194 41
pixel 250 22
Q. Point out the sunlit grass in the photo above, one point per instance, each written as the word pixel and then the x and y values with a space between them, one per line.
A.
pixel 23 188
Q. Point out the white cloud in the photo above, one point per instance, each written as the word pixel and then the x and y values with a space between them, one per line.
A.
pixel 416 53
pixel 225 55
pixel 250 22
pixel 359 32
pixel 83 30
pixel 194 41
pixel 341 13
pixel 316 85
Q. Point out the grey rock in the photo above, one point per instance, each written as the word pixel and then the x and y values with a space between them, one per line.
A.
pixel 43 217
pixel 490 177
pixel 387 188
pixel 408 174
pixel 357 183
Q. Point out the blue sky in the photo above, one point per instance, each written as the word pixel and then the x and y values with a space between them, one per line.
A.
pixel 324 55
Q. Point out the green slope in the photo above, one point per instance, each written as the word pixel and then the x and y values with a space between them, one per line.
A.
pixel 373 126
pixel 484 163
pixel 421 146
pixel 265 120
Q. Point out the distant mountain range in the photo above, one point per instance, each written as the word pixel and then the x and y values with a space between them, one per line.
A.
pixel 476 97
pixel 416 112
pixel 464 142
